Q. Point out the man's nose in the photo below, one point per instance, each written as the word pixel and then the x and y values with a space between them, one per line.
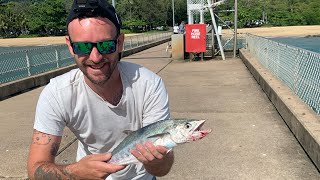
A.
pixel 95 55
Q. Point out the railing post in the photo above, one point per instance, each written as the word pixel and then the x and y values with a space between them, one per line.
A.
pixel 130 42
pixel 267 54
pixel 247 42
pixel 278 57
pixel 57 57
pixel 143 40
pixel 137 41
pixel 28 63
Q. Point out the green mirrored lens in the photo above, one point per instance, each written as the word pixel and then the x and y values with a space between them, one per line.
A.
pixel 106 47
pixel 83 47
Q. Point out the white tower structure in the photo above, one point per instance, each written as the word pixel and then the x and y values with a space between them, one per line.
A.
pixel 198 8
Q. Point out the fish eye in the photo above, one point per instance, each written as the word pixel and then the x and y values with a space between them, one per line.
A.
pixel 187 125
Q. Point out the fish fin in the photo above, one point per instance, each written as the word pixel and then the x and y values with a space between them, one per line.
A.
pixel 127 132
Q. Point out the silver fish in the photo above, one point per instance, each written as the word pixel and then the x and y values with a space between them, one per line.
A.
pixel 168 133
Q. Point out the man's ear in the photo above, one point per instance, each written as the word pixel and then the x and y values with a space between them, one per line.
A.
pixel 69 45
pixel 120 42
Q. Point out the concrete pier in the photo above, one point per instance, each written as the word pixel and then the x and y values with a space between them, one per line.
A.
pixel 249 138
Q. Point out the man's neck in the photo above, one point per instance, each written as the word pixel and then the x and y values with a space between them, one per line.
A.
pixel 111 91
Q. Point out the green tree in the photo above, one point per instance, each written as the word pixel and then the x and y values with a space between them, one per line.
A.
pixel 13 19
pixel 148 13
pixel 47 16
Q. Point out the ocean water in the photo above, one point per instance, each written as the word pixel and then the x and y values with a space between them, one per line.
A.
pixel 308 43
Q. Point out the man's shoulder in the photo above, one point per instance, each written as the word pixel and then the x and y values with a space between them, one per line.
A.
pixel 63 87
pixel 137 72
pixel 65 80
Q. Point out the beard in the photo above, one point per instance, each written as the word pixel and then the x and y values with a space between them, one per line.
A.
pixel 106 75
pixel 102 77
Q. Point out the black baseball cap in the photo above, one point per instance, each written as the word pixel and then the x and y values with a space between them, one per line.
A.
pixel 94 8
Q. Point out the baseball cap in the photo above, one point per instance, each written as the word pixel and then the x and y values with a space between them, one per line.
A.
pixel 94 8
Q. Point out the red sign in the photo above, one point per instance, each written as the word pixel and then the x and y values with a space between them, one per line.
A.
pixel 196 38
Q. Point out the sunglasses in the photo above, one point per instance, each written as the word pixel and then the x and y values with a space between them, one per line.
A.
pixel 103 47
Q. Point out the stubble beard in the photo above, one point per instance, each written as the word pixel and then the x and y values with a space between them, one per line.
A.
pixel 107 75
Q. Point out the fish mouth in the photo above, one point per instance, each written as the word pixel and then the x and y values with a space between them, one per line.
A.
pixel 198 132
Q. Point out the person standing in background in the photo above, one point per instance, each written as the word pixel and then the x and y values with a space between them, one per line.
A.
pixel 181 27
pixel 176 29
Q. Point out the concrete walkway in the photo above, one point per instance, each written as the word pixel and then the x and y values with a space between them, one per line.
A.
pixel 249 139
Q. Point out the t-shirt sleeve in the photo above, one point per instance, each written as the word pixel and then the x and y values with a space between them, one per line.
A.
pixel 48 116
pixel 156 105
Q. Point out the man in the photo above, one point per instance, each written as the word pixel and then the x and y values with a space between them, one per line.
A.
pixel 181 27
pixel 176 29
pixel 97 102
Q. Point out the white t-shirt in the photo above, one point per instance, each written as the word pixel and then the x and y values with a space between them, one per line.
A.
pixel 68 101
pixel 176 29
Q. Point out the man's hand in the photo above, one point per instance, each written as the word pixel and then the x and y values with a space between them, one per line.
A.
pixel 43 150
pixel 90 167
pixel 154 157
pixel 93 167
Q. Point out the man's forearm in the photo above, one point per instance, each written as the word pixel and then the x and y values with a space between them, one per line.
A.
pixel 161 169
pixel 51 171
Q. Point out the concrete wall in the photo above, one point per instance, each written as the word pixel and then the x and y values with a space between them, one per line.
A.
pixel 299 117
pixel 25 84
pixel 177 45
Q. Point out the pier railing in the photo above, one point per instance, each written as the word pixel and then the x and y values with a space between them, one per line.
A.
pixel 298 68
pixel 19 64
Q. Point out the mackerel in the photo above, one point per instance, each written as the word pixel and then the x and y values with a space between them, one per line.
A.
pixel 168 133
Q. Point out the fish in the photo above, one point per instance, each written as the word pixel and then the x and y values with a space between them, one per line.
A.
pixel 168 133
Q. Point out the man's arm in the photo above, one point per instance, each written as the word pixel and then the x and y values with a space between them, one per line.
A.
pixel 157 160
pixel 43 150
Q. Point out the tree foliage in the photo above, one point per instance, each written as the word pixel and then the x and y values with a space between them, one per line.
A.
pixel 47 17
pixel 277 12
pixel 43 17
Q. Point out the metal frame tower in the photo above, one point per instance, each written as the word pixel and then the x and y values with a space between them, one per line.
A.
pixel 199 7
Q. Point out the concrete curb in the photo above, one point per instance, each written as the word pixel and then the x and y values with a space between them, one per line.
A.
pixel 303 122
pixel 25 84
